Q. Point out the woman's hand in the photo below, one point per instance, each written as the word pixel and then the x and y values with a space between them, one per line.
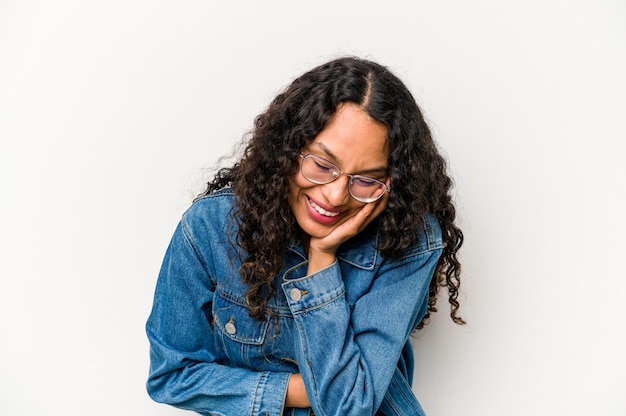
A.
pixel 322 250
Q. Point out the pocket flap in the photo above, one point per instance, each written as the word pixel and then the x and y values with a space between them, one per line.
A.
pixel 231 317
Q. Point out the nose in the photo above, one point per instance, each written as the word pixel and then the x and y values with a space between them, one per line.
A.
pixel 336 192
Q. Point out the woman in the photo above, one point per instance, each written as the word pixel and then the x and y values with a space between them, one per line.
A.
pixel 292 284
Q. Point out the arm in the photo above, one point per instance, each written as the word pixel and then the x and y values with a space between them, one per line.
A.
pixel 186 370
pixel 347 358
pixel 296 393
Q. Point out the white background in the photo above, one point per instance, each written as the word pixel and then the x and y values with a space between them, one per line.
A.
pixel 113 113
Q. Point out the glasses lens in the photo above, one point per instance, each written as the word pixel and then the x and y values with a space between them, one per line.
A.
pixel 366 189
pixel 318 170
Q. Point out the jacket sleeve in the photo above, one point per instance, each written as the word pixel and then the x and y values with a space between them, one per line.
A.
pixel 184 366
pixel 348 357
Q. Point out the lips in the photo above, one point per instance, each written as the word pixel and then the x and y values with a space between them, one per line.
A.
pixel 321 210
pixel 320 214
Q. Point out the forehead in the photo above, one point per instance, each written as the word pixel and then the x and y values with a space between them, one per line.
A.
pixel 352 139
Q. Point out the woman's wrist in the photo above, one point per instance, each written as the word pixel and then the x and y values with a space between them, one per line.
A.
pixel 319 261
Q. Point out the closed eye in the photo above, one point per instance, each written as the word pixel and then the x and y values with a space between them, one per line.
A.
pixel 323 167
pixel 365 181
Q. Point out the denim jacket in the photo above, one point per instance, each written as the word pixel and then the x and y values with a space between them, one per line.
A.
pixel 344 328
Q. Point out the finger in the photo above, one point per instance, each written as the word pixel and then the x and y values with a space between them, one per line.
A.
pixel 376 208
pixel 355 224
pixel 370 211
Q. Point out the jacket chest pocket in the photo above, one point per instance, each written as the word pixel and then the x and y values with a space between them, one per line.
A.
pixel 238 335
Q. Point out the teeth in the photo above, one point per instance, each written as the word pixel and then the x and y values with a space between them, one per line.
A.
pixel 322 210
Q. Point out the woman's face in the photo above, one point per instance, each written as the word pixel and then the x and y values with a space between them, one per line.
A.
pixel 354 142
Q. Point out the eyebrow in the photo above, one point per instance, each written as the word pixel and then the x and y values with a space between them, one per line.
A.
pixel 331 155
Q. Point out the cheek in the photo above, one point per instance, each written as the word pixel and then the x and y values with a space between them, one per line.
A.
pixel 356 206
pixel 296 186
pixel 297 183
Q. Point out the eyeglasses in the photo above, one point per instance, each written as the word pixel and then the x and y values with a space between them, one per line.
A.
pixel 320 171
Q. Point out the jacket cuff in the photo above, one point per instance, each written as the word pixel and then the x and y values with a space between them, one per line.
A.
pixel 271 390
pixel 309 292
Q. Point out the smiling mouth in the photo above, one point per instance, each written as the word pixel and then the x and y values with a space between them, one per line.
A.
pixel 321 210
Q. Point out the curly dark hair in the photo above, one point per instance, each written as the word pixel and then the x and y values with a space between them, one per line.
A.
pixel 292 120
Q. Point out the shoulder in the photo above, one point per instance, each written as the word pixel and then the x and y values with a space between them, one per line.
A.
pixel 429 236
pixel 210 213
pixel 363 250
pixel 215 203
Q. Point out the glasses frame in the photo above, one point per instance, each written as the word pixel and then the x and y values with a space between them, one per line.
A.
pixel 336 176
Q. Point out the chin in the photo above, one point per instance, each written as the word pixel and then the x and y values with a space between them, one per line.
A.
pixel 315 230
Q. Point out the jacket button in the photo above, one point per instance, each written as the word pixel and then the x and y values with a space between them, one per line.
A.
pixel 295 294
pixel 230 327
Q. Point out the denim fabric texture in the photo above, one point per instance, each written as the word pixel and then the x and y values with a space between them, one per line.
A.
pixel 345 328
